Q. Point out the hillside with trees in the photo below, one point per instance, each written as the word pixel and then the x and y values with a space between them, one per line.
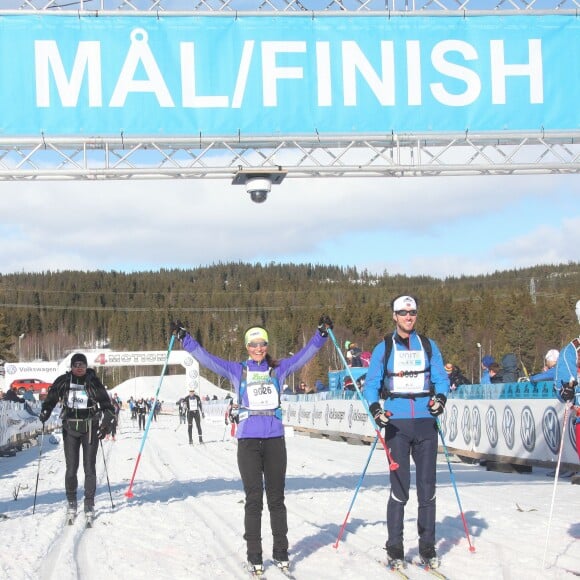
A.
pixel 526 311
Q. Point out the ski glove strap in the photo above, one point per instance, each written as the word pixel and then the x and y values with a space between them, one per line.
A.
pixel 44 415
pixel 437 404
pixel 176 328
pixel 568 390
pixel 324 324
pixel 381 417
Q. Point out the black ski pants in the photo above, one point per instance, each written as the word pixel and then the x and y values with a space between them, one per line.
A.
pixel 191 417
pixel 141 421
pixel 263 461
pixel 72 442
pixel 416 438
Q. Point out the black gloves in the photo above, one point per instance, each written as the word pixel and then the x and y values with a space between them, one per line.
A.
pixel 381 417
pixel 324 324
pixel 568 390
pixel 437 404
pixel 106 425
pixel 177 328
pixel 44 415
pixel 105 429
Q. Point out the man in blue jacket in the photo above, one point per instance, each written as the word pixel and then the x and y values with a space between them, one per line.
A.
pixel 407 370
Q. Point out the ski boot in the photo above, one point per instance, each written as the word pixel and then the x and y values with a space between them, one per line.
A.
pixel 71 513
pixel 255 565
pixel 396 557
pixel 89 518
pixel 428 557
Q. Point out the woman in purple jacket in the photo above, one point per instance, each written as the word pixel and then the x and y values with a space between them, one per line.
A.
pixel 257 383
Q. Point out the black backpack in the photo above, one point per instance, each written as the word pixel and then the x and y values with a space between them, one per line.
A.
pixel 385 392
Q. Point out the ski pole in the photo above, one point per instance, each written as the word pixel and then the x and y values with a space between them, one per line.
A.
pixel 471 546
pixel 392 463
pixel 38 469
pixel 129 492
pixel 566 411
pixel 107 474
pixel 362 475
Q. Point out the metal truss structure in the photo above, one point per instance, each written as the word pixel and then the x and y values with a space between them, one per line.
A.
pixel 395 155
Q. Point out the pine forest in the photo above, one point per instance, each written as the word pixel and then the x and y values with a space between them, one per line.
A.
pixel 43 316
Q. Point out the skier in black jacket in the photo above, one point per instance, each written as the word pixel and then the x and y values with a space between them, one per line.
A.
pixel 194 409
pixel 85 402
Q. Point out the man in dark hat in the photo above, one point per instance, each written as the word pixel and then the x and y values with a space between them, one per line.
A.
pixel 87 416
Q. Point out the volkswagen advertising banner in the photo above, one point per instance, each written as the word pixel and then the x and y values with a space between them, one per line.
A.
pixel 524 429
pixel 243 75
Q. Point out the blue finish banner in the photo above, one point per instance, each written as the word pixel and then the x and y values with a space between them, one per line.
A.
pixel 223 75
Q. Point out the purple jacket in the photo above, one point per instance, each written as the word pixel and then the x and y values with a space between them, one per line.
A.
pixel 255 426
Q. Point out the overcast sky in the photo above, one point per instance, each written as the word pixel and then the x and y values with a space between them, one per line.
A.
pixel 433 226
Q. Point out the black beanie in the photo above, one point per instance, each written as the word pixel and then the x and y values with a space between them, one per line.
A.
pixel 78 357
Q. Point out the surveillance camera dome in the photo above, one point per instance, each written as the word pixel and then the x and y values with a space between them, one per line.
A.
pixel 258 188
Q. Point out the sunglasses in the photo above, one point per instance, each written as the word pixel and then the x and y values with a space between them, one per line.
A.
pixel 405 312
pixel 79 365
pixel 257 344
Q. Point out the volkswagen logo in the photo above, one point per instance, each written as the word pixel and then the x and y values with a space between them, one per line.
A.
pixel 476 426
pixel 528 429
pixel 491 426
pixel 551 429
pixel 509 427
pixel 443 424
pixel 466 425
pixel 453 423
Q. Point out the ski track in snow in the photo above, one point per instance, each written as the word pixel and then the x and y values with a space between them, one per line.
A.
pixel 186 517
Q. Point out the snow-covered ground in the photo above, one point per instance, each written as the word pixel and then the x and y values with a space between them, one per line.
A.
pixel 186 517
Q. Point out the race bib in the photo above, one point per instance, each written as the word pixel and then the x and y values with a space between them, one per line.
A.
pixel 407 367
pixel 77 397
pixel 193 406
pixel 261 391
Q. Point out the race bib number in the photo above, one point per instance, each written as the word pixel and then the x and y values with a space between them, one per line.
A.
pixel 193 406
pixel 408 365
pixel 77 397
pixel 261 392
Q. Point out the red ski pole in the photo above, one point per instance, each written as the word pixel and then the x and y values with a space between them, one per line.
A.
pixel 392 463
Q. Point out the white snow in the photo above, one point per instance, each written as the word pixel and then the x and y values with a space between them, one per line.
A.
pixel 186 517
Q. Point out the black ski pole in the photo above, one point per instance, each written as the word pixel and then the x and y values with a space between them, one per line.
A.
pixel 38 469
pixel 107 474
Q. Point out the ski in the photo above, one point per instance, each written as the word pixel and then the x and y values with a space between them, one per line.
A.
pixel 426 568
pixel 89 519
pixel 254 573
pixel 395 568
pixel 285 570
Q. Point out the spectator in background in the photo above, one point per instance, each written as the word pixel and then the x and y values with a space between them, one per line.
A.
pixel 309 389
pixel 301 388
pixel 12 396
pixel 456 377
pixel 353 353
pixel 549 371
pixel 495 373
pixel 486 362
